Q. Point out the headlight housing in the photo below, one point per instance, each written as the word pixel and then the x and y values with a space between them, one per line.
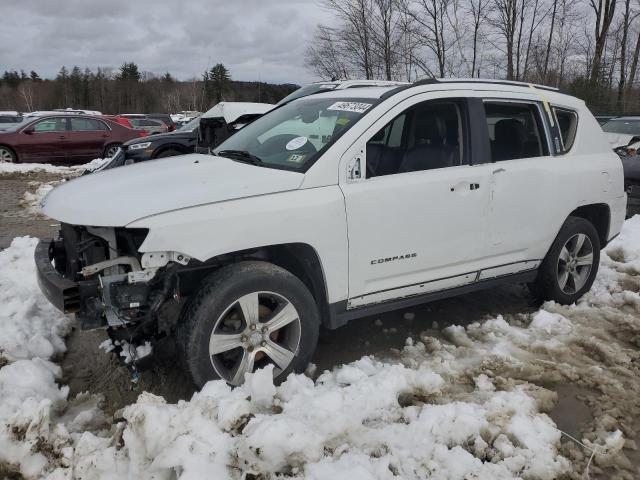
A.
pixel 139 146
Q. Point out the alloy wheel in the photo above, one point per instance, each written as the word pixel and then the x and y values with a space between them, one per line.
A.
pixel 575 263
pixel 5 155
pixel 256 329
pixel 111 151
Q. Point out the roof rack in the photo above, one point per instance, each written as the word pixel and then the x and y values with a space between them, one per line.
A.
pixel 438 81
pixel 431 81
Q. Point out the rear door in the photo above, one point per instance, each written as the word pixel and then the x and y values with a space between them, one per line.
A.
pixel 45 140
pixel 87 138
pixel 417 211
pixel 523 187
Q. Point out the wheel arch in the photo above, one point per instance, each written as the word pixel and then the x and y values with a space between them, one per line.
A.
pixel 599 215
pixel 300 259
pixel 169 146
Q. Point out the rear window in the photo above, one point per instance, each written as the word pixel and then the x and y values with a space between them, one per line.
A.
pixel 568 125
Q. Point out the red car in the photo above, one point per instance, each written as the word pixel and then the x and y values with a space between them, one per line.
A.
pixel 63 138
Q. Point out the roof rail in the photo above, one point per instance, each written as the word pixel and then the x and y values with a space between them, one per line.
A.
pixel 431 81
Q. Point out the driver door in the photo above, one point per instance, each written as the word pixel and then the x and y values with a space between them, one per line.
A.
pixel 45 140
pixel 417 218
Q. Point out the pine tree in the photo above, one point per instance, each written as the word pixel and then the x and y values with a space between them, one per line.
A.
pixel 219 79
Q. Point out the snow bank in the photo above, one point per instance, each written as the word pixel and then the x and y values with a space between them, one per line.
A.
pixel 466 407
pixel 74 170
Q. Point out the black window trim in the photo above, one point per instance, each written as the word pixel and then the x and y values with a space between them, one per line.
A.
pixel 546 128
pixel 463 107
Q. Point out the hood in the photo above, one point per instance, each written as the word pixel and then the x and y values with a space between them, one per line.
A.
pixel 117 197
pixel 620 139
pixel 162 136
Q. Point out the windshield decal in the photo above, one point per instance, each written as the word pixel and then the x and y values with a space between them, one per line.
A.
pixel 297 157
pixel 296 143
pixel 357 107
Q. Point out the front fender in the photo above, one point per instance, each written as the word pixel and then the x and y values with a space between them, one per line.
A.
pixel 313 216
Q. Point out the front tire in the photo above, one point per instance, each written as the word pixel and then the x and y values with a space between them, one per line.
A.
pixel 110 150
pixel 245 316
pixel 571 265
pixel 7 155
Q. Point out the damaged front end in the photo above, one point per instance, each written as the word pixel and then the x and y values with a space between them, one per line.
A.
pixel 98 274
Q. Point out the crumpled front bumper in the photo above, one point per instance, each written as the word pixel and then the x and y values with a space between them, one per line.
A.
pixel 60 291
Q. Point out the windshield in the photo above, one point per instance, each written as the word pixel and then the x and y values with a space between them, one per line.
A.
pixel 629 127
pixel 308 90
pixel 190 126
pixel 293 136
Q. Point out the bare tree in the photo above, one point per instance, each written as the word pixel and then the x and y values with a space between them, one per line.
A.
pixel 431 17
pixel 604 11
pixel 324 57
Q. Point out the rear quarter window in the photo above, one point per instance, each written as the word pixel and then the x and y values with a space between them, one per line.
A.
pixel 568 126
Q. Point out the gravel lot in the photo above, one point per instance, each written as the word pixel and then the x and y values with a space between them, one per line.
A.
pixel 87 368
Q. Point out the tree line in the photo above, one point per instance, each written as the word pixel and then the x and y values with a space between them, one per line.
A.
pixel 589 48
pixel 128 90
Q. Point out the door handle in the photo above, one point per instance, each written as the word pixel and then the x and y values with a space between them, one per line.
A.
pixel 474 186
pixel 499 170
pixel 62 137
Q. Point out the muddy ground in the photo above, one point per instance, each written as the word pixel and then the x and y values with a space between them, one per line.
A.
pixel 87 368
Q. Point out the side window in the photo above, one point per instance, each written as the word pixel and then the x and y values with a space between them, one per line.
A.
pixel 424 137
pixel 568 124
pixel 86 125
pixel 515 130
pixel 50 125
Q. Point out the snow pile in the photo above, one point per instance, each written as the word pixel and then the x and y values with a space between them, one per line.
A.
pixel 74 170
pixel 30 327
pixel 31 332
pixel 33 197
pixel 460 403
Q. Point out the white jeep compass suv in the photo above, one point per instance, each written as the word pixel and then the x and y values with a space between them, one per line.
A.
pixel 335 206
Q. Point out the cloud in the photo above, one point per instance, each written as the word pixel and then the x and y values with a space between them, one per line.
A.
pixel 255 39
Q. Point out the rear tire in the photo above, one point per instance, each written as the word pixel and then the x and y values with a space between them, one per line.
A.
pixel 245 316
pixel 110 150
pixel 169 153
pixel 7 155
pixel 571 265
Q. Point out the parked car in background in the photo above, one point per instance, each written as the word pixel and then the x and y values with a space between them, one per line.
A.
pixel 621 131
pixel 602 119
pixel 58 111
pixel 77 111
pixel 224 119
pixel 165 118
pixel 631 166
pixel 327 209
pixel 218 123
pixel 9 119
pixel 149 125
pixel 63 138
pixel 319 87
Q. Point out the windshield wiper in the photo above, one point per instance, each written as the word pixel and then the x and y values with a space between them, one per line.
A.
pixel 242 156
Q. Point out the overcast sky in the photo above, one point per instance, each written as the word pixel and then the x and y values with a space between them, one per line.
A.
pixel 255 39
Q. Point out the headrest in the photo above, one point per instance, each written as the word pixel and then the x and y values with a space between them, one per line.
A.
pixel 510 131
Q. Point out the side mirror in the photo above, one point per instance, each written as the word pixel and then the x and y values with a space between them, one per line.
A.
pixel 28 130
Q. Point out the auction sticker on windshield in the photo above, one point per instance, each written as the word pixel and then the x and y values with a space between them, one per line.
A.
pixel 357 107
pixel 296 143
